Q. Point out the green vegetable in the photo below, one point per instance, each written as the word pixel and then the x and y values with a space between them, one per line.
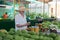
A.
pixel 32 33
pixel 32 16
pixel 26 35
pixel 18 37
pixel 41 37
pixel 46 24
pixel 53 35
pixel 34 37
pixel 57 38
pixel 47 38
pixel 6 39
pixel 9 36
pixel 2 34
pixel 31 39
pixel 41 34
pixel 12 31
pixel 26 38
pixel 1 38
pixel 18 32
pixel 24 31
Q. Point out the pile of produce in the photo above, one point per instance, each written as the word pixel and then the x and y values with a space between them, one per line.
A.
pixel 47 24
pixel 56 23
pixel 26 35
pixel 43 15
pixel 32 16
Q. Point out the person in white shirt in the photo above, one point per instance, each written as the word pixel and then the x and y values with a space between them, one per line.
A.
pixel 20 19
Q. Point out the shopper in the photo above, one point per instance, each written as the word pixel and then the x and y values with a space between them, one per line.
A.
pixel 20 19
pixel 5 15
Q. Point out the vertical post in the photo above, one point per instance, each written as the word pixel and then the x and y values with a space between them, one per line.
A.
pixel 48 9
pixel 27 6
pixel 14 6
pixel 43 8
pixel 56 9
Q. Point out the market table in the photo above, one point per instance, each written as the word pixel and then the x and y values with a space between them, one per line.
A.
pixel 40 20
pixel 49 19
pixel 7 24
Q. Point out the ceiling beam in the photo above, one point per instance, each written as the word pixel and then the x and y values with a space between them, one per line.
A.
pixel 45 1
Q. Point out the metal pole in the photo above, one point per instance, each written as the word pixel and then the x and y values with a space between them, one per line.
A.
pixel 56 10
pixel 14 6
pixel 19 1
pixel 48 9
pixel 43 8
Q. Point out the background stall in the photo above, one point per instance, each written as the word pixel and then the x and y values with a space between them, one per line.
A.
pixel 7 6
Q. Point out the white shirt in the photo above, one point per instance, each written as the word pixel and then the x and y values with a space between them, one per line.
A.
pixel 20 20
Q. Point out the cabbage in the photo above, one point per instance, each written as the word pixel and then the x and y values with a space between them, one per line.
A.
pixel 18 37
pixel 1 38
pixel 34 37
pixel 32 33
pixel 57 38
pixel 12 31
pixel 53 35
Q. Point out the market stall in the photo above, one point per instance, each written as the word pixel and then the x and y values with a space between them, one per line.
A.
pixel 7 14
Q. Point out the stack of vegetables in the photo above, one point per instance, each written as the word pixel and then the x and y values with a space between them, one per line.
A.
pixel 32 16
pixel 56 23
pixel 26 35
pixel 47 24
pixel 43 15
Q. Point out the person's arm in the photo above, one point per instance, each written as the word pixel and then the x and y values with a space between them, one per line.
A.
pixel 21 25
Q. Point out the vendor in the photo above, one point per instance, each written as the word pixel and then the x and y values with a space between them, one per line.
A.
pixel 20 19
pixel 5 15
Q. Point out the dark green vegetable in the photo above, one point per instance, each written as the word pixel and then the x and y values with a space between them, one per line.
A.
pixel 27 35
pixel 24 31
pixel 18 32
pixel 12 31
pixel 1 38
pixel 34 37
pixel 32 33
pixel 53 35
pixel 18 37
pixel 58 37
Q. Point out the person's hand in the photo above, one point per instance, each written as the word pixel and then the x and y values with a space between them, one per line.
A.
pixel 21 25
pixel 27 24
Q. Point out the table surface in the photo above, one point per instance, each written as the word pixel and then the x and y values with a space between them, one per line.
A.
pixel 7 24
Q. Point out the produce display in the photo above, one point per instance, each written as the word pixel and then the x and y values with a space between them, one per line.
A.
pixel 47 24
pixel 56 23
pixel 26 35
pixel 44 15
pixel 32 16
